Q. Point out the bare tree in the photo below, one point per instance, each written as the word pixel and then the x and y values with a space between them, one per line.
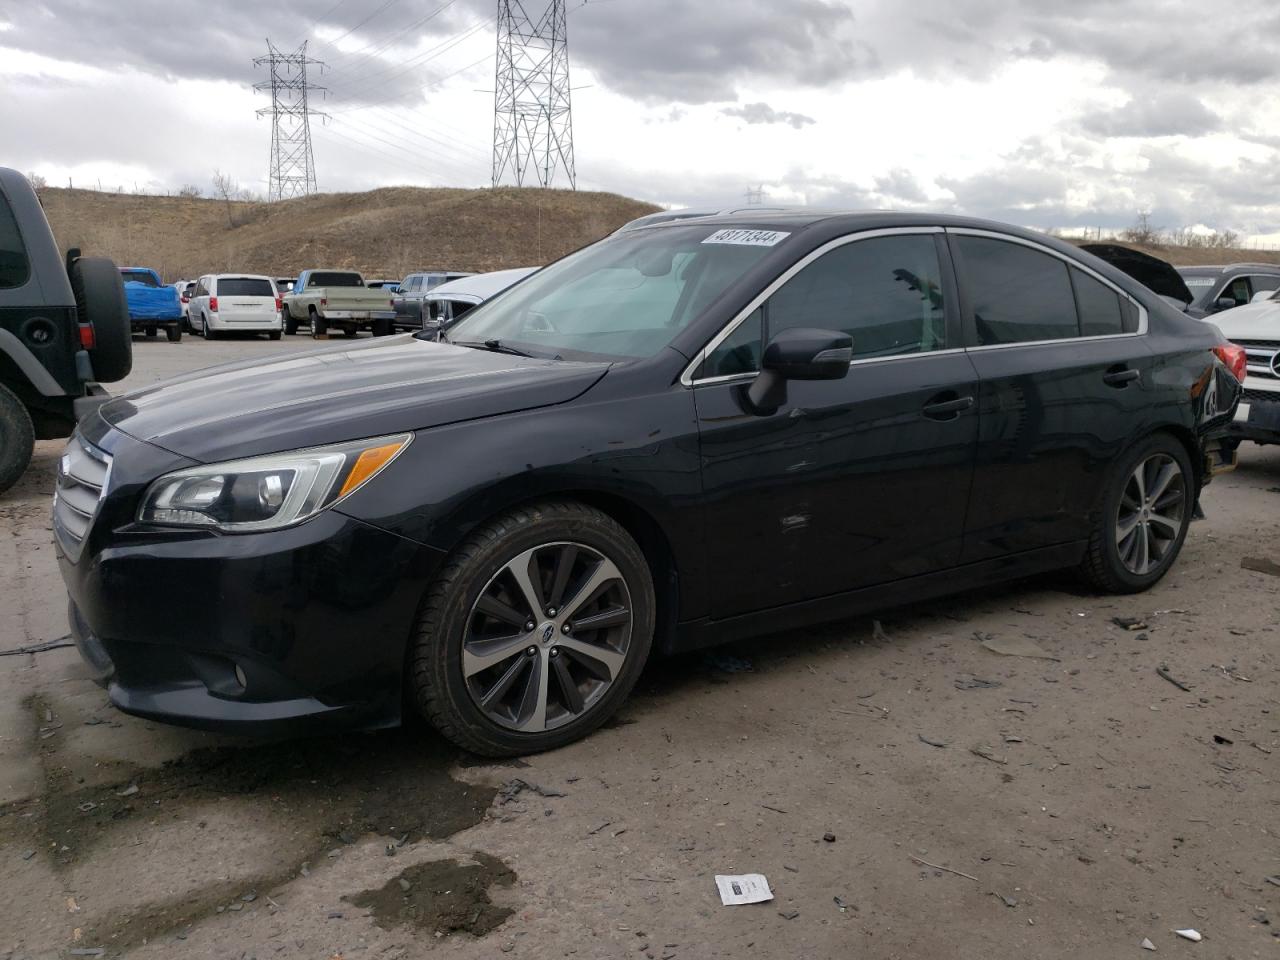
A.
pixel 38 182
pixel 225 187
pixel 190 191
pixel 1142 231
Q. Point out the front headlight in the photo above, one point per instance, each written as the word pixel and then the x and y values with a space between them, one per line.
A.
pixel 264 493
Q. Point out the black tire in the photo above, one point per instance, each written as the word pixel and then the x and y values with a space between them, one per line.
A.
pixel 349 332
pixel 435 652
pixel 383 328
pixel 151 331
pixel 100 300
pixel 318 326
pixel 205 330
pixel 273 334
pixel 1103 565
pixel 17 438
pixel 290 325
pixel 174 332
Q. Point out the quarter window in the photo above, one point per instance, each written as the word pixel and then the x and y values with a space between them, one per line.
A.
pixel 885 292
pixel 1017 294
pixel 14 265
pixel 1099 306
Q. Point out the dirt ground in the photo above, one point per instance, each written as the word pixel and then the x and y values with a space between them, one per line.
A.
pixel 907 792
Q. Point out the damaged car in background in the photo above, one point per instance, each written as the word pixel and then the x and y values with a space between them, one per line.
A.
pixel 684 434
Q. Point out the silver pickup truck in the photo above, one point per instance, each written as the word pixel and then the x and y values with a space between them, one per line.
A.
pixel 324 299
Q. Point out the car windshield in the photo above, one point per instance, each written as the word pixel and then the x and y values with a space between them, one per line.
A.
pixel 139 276
pixel 623 298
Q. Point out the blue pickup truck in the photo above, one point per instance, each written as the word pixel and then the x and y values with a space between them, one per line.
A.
pixel 152 304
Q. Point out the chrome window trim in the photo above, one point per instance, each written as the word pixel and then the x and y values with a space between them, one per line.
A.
pixel 1021 241
pixel 686 377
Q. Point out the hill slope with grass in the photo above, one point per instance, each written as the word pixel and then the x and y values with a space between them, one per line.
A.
pixel 384 233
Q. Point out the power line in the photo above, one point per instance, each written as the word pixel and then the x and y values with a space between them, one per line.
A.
pixel 293 168
pixel 532 114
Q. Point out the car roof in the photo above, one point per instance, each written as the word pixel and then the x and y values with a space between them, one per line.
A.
pixel 240 276
pixel 1206 269
pixel 481 284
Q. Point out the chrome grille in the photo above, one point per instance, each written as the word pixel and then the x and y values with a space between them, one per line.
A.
pixel 1262 359
pixel 83 472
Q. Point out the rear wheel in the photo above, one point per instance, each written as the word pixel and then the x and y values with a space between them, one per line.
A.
pixel 351 331
pixel 289 324
pixel 174 333
pixel 273 334
pixel 383 328
pixel 535 631
pixel 17 438
pixel 205 330
pixel 1145 515
pixel 318 327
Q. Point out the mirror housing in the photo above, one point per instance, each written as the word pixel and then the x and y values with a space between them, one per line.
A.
pixel 1224 303
pixel 802 353
pixel 1262 295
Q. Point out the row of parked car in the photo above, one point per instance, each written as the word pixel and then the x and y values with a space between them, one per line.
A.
pixel 318 301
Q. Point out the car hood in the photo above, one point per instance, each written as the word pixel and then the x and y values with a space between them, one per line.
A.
pixel 1153 273
pixel 1253 321
pixel 384 386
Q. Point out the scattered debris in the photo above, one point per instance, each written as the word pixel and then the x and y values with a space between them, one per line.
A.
pixel 774 809
pixel 593 832
pixel 1189 934
pixel 1022 646
pixel 829 837
pixel 878 634
pixel 513 788
pixel 1274 881
pixel 1260 565
pixel 1147 944
pixel 841 904
pixel 926 863
pixel 1163 670
pixel 41 648
pixel 1008 901
pixel 1129 623
pixel 986 753
pixel 788 914
pixel 1223 741
pixel 128 791
pixel 976 683
pixel 932 743
pixel 743 888
pixel 654 879
pixel 1014 740
pixel 28 854
pixel 87 951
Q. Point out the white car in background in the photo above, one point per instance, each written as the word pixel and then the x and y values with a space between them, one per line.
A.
pixel 235 302
pixel 449 301
pixel 1256 327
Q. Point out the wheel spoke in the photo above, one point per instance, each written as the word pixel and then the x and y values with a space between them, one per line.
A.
pixel 519 568
pixel 1125 526
pixel 478 655
pixel 1168 523
pixel 533 705
pixel 604 662
pixel 1140 480
pixel 1164 475
pixel 1171 498
pixel 603 573
pixel 572 695
pixel 564 567
pixel 491 606
pixel 613 617
pixel 495 693
pixel 1143 556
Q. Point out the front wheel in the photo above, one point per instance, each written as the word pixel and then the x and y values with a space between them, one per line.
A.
pixel 535 631
pixel 1146 511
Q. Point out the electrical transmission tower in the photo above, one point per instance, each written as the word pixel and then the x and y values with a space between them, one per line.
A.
pixel 755 196
pixel 293 166
pixel 532 119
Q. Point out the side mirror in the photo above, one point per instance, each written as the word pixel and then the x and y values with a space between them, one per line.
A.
pixel 1262 295
pixel 1224 303
pixel 798 354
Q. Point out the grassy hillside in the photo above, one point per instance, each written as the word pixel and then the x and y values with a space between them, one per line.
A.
pixel 384 233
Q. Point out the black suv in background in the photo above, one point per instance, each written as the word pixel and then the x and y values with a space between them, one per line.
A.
pixel 64 327
pixel 1220 288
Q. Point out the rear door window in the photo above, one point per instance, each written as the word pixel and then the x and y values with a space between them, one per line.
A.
pixel 244 287
pixel 15 267
pixel 1017 294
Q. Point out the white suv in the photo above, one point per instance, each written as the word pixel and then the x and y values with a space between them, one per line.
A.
pixel 1256 327
pixel 225 302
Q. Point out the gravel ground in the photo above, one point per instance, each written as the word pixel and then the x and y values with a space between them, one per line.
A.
pixel 906 791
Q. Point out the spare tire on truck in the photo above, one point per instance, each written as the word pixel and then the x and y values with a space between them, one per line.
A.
pixel 101 302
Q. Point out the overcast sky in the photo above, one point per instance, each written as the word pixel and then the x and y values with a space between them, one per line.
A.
pixel 1040 112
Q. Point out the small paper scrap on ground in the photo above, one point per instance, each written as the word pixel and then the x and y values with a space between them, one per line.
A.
pixel 1013 646
pixel 747 888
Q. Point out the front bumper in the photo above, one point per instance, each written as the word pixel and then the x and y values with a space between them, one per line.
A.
pixel 258 633
pixel 1257 417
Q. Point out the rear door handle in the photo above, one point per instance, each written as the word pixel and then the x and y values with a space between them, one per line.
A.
pixel 947 409
pixel 1118 378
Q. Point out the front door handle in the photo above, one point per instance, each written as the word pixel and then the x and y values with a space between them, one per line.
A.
pixel 947 409
pixel 1121 376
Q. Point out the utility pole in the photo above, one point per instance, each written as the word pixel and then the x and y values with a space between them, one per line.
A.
pixel 532 117
pixel 755 196
pixel 293 166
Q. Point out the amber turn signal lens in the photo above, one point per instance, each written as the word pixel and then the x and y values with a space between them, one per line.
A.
pixel 367 464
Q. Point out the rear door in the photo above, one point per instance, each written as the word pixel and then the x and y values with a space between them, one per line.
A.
pixel 852 482
pixel 248 300
pixel 1066 384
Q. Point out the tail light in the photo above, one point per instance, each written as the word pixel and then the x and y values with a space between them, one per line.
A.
pixel 324 301
pixel 1234 358
pixel 213 304
pixel 87 338
pixel 185 298
pixel 279 304
pixel 391 302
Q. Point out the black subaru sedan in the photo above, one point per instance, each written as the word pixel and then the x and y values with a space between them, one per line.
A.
pixel 681 435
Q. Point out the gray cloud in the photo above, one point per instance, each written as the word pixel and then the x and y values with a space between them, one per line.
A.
pixel 1162 115
pixel 763 113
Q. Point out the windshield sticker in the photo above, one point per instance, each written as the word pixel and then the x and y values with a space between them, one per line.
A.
pixel 748 238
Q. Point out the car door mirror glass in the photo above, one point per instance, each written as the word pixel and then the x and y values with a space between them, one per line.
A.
pixel 1225 303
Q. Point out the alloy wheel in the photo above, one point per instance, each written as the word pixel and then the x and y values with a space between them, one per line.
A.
pixel 547 637
pixel 1151 513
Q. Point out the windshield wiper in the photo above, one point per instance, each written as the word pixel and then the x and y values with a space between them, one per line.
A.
pixel 495 346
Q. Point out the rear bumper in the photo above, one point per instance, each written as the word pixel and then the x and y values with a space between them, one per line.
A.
pixel 1257 417
pixel 233 322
